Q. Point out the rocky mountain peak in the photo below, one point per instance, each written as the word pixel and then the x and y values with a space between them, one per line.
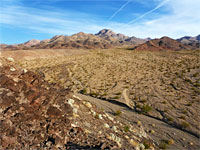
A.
pixel 164 43
pixel 106 32
pixel 198 37
pixel 32 42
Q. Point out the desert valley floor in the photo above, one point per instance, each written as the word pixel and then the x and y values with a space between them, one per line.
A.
pixel 159 90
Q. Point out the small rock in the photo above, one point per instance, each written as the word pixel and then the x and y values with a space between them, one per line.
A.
pixel 89 105
pixel 53 112
pixel 71 102
pixel 87 124
pixel 170 141
pixel 25 70
pixel 87 131
pixel 126 136
pixel 16 79
pixel 183 139
pixel 48 144
pixel 142 147
pixel 133 143
pixel 75 110
pixel 77 97
pixel 139 122
pixel 116 139
pixel 152 131
pixel 100 132
pixel 106 125
pixel 93 113
pixel 191 143
pixel 73 125
pixel 12 69
pixel 114 128
pixel 110 118
pixel 100 116
pixel 153 125
pixel 10 59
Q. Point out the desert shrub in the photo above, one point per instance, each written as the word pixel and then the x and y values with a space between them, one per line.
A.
pixel 146 108
pixel 139 106
pixel 94 94
pixel 170 141
pixel 197 84
pixel 184 111
pixel 84 91
pixel 118 112
pixel 146 144
pixel 182 117
pixel 118 93
pixel 126 128
pixel 195 75
pixel 170 119
pixel 143 101
pixel 116 97
pixel 184 124
pixel 163 145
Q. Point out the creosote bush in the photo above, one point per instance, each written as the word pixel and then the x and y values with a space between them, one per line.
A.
pixel 146 108
pixel 163 145
pixel 126 128
pixel 146 144
pixel 118 113
pixel 184 124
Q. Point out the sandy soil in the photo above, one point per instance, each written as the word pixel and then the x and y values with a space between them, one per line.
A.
pixel 44 53
pixel 163 86
pixel 162 130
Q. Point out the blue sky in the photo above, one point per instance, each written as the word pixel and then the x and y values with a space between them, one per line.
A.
pixel 22 20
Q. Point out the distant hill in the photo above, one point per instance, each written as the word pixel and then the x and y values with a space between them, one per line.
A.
pixel 106 33
pixel 79 40
pixel 105 39
pixel 32 42
pixel 192 41
pixel 189 39
pixel 121 38
pixel 164 43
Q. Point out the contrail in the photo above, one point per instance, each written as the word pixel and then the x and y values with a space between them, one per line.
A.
pixel 149 12
pixel 117 11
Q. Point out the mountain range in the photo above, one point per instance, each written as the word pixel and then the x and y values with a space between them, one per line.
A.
pixel 189 39
pixel 105 39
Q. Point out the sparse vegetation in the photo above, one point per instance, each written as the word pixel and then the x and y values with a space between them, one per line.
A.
pixel 126 128
pixel 146 108
pixel 170 141
pixel 146 144
pixel 157 81
pixel 163 144
pixel 170 119
pixel 182 117
pixel 118 113
pixel 185 124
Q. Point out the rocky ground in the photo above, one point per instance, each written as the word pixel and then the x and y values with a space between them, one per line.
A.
pixel 164 87
pixel 37 115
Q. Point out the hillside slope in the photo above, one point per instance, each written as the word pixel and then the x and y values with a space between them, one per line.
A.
pixel 164 43
pixel 37 115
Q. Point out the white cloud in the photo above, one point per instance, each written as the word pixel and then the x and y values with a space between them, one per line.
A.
pixel 117 11
pixel 182 19
pixel 52 21
pixel 150 11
